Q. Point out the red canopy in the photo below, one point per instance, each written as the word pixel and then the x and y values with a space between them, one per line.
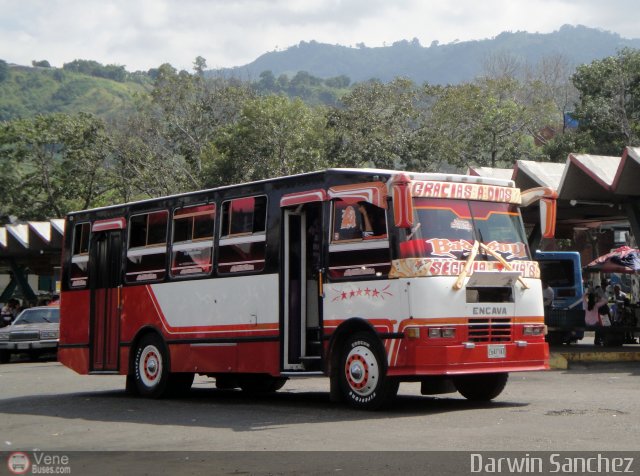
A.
pixel 620 260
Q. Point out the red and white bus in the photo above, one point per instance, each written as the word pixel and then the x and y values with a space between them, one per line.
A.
pixel 370 277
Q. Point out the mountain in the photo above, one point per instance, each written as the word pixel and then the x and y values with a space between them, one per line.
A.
pixel 451 63
pixel 27 91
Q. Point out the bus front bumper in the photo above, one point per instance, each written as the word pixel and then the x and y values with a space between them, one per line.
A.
pixel 463 358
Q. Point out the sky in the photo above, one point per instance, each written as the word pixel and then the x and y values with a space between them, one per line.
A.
pixel 143 34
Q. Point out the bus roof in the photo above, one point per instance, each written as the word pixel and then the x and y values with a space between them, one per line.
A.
pixel 422 176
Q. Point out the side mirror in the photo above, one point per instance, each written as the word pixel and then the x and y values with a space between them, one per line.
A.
pixel 548 204
pixel 548 217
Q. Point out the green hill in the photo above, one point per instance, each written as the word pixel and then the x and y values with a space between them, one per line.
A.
pixel 451 63
pixel 28 91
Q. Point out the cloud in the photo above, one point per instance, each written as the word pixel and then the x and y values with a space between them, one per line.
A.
pixel 146 33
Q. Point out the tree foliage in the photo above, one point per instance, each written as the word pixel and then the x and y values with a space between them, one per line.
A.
pixel 489 123
pixel 56 163
pixel 4 70
pixel 609 106
pixel 93 68
pixel 273 136
pixel 375 125
pixel 190 131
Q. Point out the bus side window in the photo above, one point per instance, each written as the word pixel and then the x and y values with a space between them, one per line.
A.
pixel 243 235
pixel 147 250
pixel 359 243
pixel 192 243
pixel 80 256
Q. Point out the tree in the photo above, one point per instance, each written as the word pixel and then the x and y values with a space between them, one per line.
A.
pixel 93 68
pixel 41 64
pixel 267 82
pixel 553 79
pixel 609 106
pixel 4 70
pixel 274 136
pixel 188 111
pixel 376 125
pixel 145 163
pixel 341 81
pixel 199 65
pixel 55 164
pixel 166 146
pixel 489 123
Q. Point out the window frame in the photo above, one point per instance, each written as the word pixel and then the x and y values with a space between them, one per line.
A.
pixel 82 257
pixel 193 244
pixel 146 249
pixel 243 238
pixel 366 245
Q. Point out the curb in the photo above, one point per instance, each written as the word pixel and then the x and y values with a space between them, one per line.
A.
pixel 562 360
pixel 558 362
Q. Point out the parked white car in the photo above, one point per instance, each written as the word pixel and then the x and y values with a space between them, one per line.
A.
pixel 35 331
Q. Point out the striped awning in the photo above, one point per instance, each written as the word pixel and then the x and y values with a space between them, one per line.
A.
pixel 34 244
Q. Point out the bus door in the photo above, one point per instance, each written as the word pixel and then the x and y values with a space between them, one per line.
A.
pixel 301 331
pixel 105 266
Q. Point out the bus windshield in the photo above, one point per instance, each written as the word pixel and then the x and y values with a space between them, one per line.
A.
pixel 446 228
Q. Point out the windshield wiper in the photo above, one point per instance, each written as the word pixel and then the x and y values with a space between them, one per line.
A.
pixel 472 256
pixel 414 229
pixel 502 261
pixel 467 266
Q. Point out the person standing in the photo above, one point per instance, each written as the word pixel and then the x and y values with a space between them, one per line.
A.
pixel 548 295
pixel 592 303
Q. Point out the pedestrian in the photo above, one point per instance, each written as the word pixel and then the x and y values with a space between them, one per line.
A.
pixel 548 295
pixel 592 305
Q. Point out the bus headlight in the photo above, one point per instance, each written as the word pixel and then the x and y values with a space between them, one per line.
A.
pixel 534 330
pixel 442 332
pixel 448 332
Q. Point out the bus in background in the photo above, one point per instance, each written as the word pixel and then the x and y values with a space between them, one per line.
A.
pixel 562 271
pixel 370 277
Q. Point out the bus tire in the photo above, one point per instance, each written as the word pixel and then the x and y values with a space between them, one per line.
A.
pixel 362 373
pixel 261 383
pixel 481 387
pixel 151 367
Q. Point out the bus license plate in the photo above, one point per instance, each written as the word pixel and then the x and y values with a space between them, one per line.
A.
pixel 497 351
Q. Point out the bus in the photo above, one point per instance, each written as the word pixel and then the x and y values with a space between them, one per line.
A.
pixel 370 277
pixel 562 271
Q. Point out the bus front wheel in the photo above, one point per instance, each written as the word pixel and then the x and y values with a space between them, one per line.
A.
pixel 481 387
pixel 362 373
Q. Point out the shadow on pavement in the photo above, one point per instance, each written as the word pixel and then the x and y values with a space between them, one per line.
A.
pixel 236 410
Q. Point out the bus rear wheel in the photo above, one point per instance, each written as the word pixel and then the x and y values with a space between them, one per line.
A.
pixel 481 387
pixel 151 367
pixel 362 373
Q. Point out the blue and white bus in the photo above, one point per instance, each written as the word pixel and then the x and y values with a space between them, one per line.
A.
pixel 562 271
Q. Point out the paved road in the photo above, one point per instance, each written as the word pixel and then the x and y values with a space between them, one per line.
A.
pixel 46 406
